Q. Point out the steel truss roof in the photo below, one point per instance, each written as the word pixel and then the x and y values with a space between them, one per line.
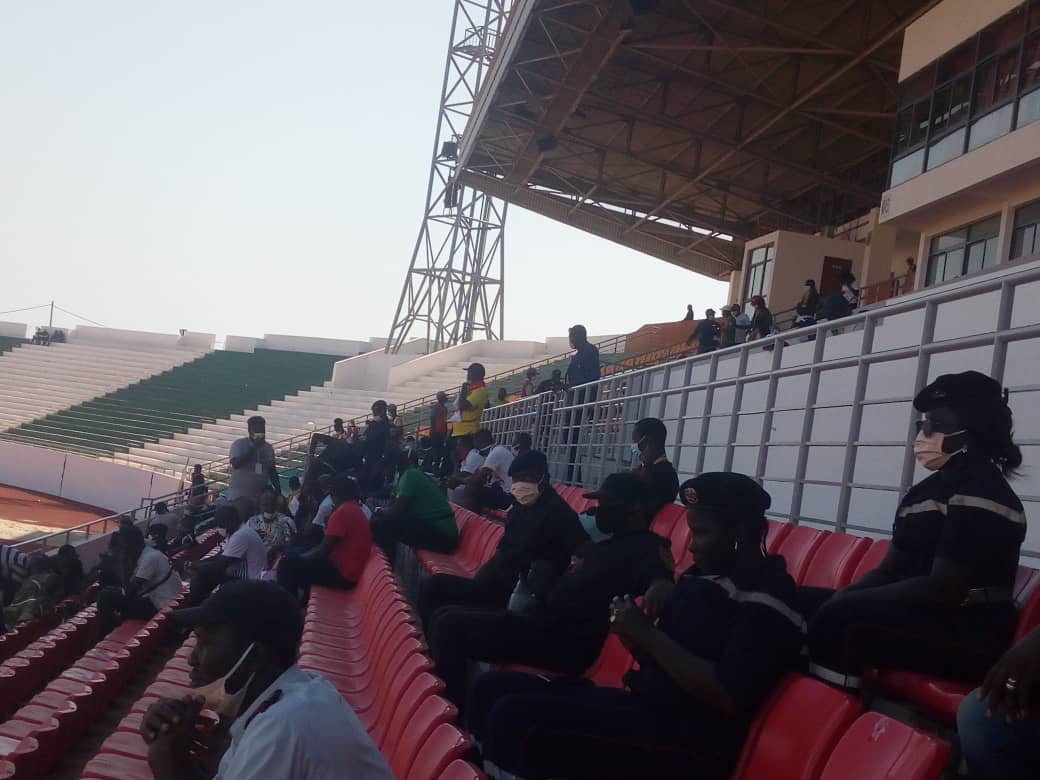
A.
pixel 684 128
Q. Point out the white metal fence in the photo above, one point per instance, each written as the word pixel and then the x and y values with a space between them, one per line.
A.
pixel 821 416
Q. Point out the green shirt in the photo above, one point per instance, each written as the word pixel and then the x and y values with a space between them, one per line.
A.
pixel 427 501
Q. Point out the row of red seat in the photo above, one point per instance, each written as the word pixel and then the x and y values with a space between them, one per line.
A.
pixel 366 643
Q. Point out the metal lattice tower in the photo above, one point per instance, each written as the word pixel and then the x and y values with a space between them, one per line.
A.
pixel 454 285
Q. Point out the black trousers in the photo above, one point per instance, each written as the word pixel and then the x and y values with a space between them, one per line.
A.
pixel 459 636
pixel 850 635
pixel 388 530
pixel 297 574
pixel 114 607
pixel 443 590
pixel 536 729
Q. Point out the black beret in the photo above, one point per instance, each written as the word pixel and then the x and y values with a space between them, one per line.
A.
pixel 725 491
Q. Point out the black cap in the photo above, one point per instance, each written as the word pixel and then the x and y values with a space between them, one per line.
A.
pixel 725 491
pixel 532 460
pixel 476 368
pixel 623 486
pixel 959 392
pixel 261 612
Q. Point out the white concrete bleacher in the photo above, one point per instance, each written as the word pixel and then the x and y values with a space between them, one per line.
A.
pixel 356 384
pixel 39 380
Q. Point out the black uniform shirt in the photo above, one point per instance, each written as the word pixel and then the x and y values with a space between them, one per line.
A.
pixel 747 626
pixel 624 564
pixel 662 484
pixel 547 530
pixel 968 513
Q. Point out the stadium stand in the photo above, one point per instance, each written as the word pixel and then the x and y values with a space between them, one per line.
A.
pixel 206 389
pixel 7 343
pixel 37 381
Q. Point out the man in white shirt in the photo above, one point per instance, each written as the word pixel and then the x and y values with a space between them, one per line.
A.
pixel 489 486
pixel 244 557
pixel 152 585
pixel 285 723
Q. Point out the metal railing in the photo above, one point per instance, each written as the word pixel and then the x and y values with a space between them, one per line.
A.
pixel 826 423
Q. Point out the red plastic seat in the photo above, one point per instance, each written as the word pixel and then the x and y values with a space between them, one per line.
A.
pixel 429 715
pixel 776 534
pixel 878 748
pixel 798 547
pixel 613 662
pixel 112 766
pixel 835 561
pixel 872 558
pixel 795 731
pixel 461 770
pixel 441 748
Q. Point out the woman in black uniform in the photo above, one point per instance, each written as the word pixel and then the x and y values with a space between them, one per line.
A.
pixel 728 632
pixel 941 602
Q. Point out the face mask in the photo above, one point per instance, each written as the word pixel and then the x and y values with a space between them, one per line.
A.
pixel 270 515
pixel 592 528
pixel 259 436
pixel 216 695
pixel 525 493
pixel 930 452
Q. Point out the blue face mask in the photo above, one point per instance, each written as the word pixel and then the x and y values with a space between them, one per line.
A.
pixel 588 522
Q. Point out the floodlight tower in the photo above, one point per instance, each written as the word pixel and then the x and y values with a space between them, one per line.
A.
pixel 454 288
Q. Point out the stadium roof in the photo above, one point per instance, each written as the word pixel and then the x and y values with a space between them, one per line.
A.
pixel 683 129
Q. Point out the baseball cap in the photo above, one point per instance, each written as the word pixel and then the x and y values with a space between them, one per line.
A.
pixel 726 492
pixel 262 612
pixel 622 487
pixel 477 368
pixel 532 460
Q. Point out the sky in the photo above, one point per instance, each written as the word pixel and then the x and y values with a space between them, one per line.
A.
pixel 257 167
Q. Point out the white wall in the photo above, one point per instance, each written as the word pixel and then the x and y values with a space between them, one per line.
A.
pixel 946 25
pixel 14 330
pixel 321 346
pixel 366 372
pixel 426 364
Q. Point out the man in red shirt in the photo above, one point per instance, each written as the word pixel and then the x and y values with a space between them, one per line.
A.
pixel 337 561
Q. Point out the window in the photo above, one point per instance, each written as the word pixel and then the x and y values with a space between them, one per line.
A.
pixel 963 251
pixel 760 271
pixel 978 92
pixel 1025 240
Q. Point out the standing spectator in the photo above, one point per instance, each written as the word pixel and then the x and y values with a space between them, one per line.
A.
pixel 244 557
pixel 489 486
pixel 149 583
pixel 70 567
pixel 396 425
pixel 584 366
pixel 689 313
pixel 553 384
pixel 743 323
pixel 252 468
pixel 438 457
pixel 541 529
pixel 197 496
pixel 652 465
pixel 473 400
pixel 338 560
pixel 849 290
pixel 706 333
pixel 338 431
pixel 762 322
pixel 810 301
pixel 419 516
pixel 377 437
pixel 527 388
pixel 287 723
pixel 728 326
pixel 163 516
pixel 502 397
pixel 275 530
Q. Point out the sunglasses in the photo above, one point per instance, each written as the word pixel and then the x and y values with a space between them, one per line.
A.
pixel 929 427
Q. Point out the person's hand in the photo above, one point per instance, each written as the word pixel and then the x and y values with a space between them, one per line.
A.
pixel 170 720
pixel 656 597
pixel 1012 678
pixel 628 621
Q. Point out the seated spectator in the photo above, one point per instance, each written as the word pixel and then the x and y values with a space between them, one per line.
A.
pixel 541 529
pixel 489 486
pixel 14 568
pixel 286 723
pixel 338 560
pixel 419 516
pixel 706 333
pixel 185 534
pixel 502 397
pixel 941 601
pixel 244 557
pixel 338 431
pixel 163 516
pixel 469 460
pixel 293 501
pixel 565 628
pixel 396 425
pixel 527 388
pixel 849 290
pixel 157 538
pixel 521 444
pixel 149 584
pixel 37 594
pixel 999 723
pixel 70 567
pixel 652 465
pixel 275 530
pixel 726 634
pixel 59 336
pixel 834 307
pixel 554 384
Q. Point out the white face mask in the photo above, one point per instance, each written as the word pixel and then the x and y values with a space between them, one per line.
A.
pixel 218 699
pixel 929 450
pixel 525 493
pixel 270 515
